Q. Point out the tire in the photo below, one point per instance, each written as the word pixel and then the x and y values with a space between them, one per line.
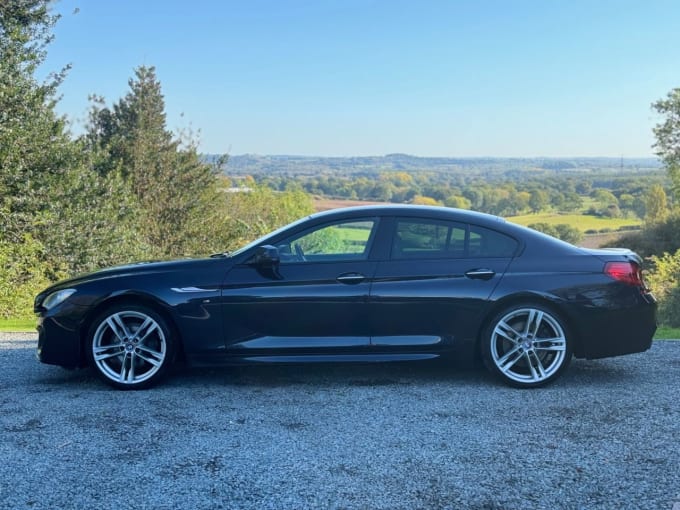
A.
pixel 527 346
pixel 130 347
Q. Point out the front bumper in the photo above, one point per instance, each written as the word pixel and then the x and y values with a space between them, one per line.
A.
pixel 59 342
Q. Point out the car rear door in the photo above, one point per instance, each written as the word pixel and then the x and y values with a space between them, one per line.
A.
pixel 432 290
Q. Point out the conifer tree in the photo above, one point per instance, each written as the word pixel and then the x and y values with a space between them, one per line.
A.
pixel 175 189
pixel 56 216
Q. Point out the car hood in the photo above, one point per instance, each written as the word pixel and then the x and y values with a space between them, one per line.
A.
pixel 137 268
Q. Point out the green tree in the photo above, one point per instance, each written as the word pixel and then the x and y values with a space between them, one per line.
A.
pixel 175 189
pixel 539 200
pixel 457 201
pixel 656 205
pixel 568 233
pixel 664 280
pixel 667 133
pixel 561 231
pixel 256 211
pixel 34 148
pixel 57 216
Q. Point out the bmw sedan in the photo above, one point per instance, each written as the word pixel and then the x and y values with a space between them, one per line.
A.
pixel 363 284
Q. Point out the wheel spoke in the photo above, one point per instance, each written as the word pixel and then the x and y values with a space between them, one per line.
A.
pixel 123 371
pixel 131 372
pixel 507 331
pixel 541 371
pixel 150 356
pixel 512 353
pixel 508 361
pixel 105 352
pixel 118 327
pixel 147 327
pixel 550 344
pixel 534 374
pixel 533 323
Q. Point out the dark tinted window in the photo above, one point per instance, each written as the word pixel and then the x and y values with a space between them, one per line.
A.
pixel 422 238
pixel 489 243
pixel 428 239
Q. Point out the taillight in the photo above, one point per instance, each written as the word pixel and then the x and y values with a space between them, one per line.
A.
pixel 627 272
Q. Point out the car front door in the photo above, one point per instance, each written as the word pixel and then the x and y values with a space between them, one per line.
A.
pixel 313 299
pixel 430 293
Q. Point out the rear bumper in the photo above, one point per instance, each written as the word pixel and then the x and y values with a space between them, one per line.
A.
pixel 605 332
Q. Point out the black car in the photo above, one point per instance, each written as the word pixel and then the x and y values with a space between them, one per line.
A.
pixel 382 283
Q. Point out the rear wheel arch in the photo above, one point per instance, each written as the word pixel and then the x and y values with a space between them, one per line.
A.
pixel 529 298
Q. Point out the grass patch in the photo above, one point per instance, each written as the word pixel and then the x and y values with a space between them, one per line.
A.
pixel 583 222
pixel 667 333
pixel 18 325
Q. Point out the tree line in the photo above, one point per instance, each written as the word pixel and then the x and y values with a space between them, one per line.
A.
pixel 626 194
pixel 128 189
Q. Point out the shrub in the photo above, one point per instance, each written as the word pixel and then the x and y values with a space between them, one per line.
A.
pixel 23 273
pixel 656 239
pixel 664 280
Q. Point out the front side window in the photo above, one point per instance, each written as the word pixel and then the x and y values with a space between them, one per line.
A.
pixel 348 240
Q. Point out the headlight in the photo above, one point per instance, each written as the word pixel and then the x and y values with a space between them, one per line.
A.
pixel 57 297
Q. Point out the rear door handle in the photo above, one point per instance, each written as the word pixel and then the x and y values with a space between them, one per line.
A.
pixel 480 274
pixel 350 278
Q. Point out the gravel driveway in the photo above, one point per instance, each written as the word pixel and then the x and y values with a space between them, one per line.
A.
pixel 606 435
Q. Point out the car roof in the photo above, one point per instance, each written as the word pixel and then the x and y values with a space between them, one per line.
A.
pixel 428 211
pixel 532 239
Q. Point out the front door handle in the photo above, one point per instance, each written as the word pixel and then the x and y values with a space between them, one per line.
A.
pixel 350 278
pixel 480 274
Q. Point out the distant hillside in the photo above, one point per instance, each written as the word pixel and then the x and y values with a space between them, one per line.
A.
pixel 252 164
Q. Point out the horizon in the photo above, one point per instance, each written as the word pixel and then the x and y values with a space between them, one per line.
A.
pixel 355 77
pixel 615 158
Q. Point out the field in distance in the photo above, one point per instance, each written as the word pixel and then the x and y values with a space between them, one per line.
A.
pixel 583 222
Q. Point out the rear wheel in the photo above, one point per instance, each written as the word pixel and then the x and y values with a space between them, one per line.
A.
pixel 526 346
pixel 130 346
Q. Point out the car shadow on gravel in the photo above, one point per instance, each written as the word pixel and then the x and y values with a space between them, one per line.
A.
pixel 599 372
pixel 332 375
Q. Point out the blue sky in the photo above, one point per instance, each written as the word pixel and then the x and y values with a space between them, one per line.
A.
pixel 514 78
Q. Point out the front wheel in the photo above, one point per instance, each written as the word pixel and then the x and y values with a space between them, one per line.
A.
pixel 130 347
pixel 526 346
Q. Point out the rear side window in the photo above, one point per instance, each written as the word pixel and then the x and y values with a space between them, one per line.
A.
pixel 429 239
pixel 489 243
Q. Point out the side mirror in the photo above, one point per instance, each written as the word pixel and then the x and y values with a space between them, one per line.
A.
pixel 265 256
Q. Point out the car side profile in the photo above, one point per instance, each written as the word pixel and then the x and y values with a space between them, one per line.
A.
pixel 362 284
